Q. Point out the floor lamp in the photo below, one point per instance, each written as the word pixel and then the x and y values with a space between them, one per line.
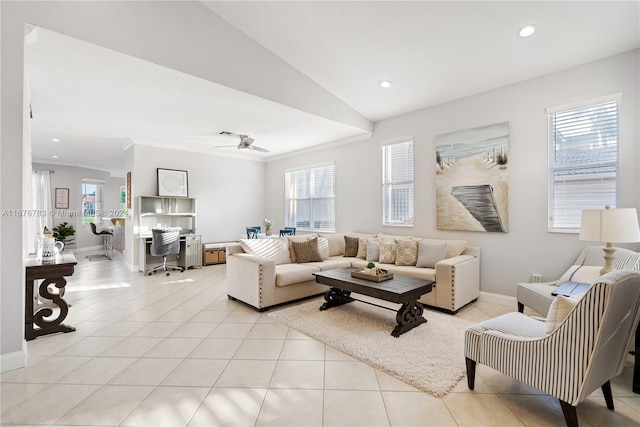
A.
pixel 609 225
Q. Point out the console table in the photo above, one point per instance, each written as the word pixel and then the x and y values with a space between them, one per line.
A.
pixel 36 311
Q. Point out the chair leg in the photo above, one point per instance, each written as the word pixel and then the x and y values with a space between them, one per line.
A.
pixel 471 373
pixel 570 414
pixel 520 307
pixel 608 396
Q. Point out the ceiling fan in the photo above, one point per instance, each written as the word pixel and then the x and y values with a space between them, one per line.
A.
pixel 246 143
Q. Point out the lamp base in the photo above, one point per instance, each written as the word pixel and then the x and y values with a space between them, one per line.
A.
pixel 608 258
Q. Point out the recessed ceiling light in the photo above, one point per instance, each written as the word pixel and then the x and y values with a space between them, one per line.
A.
pixel 55 139
pixel 55 156
pixel 385 84
pixel 527 31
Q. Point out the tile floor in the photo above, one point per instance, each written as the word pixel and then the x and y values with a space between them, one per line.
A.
pixel 174 351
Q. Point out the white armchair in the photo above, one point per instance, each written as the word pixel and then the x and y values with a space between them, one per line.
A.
pixel 566 357
pixel 537 296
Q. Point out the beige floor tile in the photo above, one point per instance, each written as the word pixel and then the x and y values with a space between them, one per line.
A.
pixel 45 371
pixel 242 316
pixel 247 373
pixel 52 344
pixel 49 404
pixel 145 315
pixel 304 408
pixel 88 328
pixel 331 353
pixel 12 394
pixel 229 407
pixel 231 330
pixel 131 347
pixel 535 410
pixel 298 374
pixel 276 331
pixel 407 409
pixel 98 370
pixel 480 386
pixel 196 373
pixel 174 347
pixel 146 371
pixel 346 375
pixel 90 346
pixel 120 329
pixel 594 410
pixel 479 410
pixel 167 406
pixel 295 335
pixel 120 401
pixel 354 408
pixel 390 383
pixel 503 384
pixel 177 316
pixel 157 329
pixel 194 330
pixel 259 349
pixel 209 316
pixel 303 350
pixel 632 402
pixel 216 348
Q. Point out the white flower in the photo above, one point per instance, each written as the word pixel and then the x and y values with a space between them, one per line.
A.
pixel 267 223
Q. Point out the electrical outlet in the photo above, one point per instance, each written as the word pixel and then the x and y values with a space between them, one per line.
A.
pixel 536 278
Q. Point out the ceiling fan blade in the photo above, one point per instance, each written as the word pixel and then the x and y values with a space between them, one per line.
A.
pixel 260 149
pixel 225 146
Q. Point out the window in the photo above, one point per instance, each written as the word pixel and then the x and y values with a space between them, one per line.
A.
pixel 92 200
pixel 397 184
pixel 310 198
pixel 583 161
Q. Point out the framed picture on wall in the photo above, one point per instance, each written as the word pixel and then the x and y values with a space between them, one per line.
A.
pixel 62 198
pixel 172 183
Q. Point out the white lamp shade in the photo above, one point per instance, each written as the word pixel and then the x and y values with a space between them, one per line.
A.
pixel 610 225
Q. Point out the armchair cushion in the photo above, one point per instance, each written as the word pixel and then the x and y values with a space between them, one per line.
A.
pixel 559 310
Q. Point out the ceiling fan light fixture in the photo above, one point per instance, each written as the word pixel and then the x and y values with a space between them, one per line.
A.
pixel 385 84
pixel 527 31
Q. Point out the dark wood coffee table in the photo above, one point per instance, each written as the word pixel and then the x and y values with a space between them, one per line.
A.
pixel 403 290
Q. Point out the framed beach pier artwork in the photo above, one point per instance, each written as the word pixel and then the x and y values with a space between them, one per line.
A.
pixel 472 191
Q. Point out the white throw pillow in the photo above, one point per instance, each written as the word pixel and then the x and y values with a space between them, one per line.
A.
pixel 430 253
pixel 586 274
pixel 559 310
pixel 276 250
pixel 373 250
pixel 323 247
pixel 336 243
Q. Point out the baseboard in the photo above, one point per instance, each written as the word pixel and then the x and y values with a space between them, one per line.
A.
pixel 15 360
pixel 498 299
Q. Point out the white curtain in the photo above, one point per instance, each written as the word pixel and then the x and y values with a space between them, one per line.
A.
pixel 42 205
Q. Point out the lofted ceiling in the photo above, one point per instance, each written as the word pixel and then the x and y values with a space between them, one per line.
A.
pixel 97 101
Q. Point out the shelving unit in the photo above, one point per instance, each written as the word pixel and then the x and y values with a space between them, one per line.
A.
pixel 162 212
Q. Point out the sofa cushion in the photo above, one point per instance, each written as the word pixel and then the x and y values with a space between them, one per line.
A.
pixel 291 274
pixel 336 243
pixel 418 273
pixel 273 249
pixel 306 251
pixel 362 248
pixel 454 247
pixel 387 252
pixel 330 264
pixel 350 246
pixel 406 252
pixel 323 247
pixel 373 250
pixel 430 253
pixel 298 238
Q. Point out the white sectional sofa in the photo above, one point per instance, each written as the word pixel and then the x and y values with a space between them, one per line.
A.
pixel 265 272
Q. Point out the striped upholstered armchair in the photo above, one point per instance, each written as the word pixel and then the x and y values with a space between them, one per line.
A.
pixel 566 357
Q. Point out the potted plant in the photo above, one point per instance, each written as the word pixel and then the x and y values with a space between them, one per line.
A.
pixel 267 226
pixel 63 232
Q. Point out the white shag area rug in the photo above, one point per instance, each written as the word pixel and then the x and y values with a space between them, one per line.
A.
pixel 429 357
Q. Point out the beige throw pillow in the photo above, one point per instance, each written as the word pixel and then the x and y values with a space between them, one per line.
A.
pixel 306 251
pixel 350 246
pixel 362 248
pixel 387 252
pixel 406 252
pixel 299 238
pixel 558 311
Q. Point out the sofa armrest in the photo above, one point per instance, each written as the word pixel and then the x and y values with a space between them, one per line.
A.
pixel 457 281
pixel 244 271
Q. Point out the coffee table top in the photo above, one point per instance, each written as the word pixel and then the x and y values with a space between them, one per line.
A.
pixel 400 289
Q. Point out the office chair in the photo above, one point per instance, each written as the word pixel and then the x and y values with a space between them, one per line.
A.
pixel 252 232
pixel 287 232
pixel 165 241
pixel 108 247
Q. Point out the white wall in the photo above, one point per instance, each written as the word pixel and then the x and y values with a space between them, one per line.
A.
pixel 230 192
pixel 527 248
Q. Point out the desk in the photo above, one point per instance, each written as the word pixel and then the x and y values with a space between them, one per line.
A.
pixel 190 253
pixel 35 311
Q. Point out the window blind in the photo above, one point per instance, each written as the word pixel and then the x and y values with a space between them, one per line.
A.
pixel 310 198
pixel 583 162
pixel 397 184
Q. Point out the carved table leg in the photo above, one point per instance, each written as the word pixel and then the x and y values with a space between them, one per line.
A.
pixel 335 297
pixel 409 316
pixel 36 315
